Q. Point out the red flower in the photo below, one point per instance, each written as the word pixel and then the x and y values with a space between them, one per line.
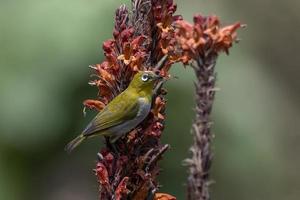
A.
pixel 102 174
pixel 163 196
pixel 205 35
pixel 94 104
pixel 121 189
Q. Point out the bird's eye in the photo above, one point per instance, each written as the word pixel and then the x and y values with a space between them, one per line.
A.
pixel 145 77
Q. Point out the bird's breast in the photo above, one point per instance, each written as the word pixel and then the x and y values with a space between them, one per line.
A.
pixel 144 108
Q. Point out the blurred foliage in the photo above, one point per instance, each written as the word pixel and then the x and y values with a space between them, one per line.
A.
pixel 45 48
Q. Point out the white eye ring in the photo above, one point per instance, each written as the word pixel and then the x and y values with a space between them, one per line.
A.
pixel 145 77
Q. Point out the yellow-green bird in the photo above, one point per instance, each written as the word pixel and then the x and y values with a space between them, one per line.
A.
pixel 124 112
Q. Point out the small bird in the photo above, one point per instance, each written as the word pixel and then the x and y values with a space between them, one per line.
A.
pixel 124 112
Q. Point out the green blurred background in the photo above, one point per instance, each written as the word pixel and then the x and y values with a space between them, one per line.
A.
pixel 45 48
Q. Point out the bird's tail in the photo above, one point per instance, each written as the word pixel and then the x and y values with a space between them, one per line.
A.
pixel 74 143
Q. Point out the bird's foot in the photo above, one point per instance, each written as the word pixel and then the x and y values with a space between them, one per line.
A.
pixel 113 147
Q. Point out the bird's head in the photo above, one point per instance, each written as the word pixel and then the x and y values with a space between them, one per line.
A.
pixel 144 81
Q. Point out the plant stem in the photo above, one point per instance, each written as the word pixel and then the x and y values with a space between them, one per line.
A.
pixel 200 163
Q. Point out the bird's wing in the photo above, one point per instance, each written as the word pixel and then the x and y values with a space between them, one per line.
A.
pixel 115 113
